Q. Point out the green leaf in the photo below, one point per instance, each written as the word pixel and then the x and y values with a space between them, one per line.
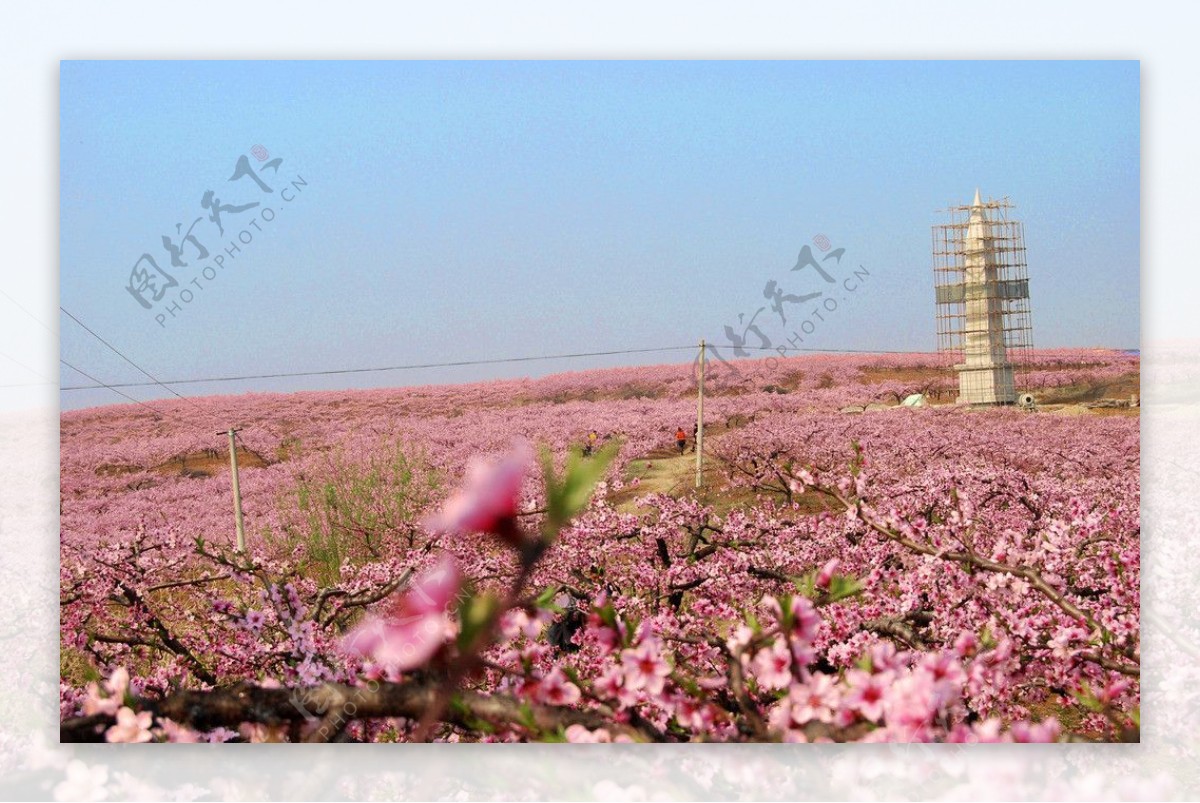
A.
pixel 545 600
pixel 470 720
pixel 568 495
pixel 841 587
pixel 556 736
pixel 475 613
pixel 785 607
pixel 687 684
pixel 986 640
pixel 525 717
pixel 856 461
pixel 608 615
pixel 1087 699
pixel 631 629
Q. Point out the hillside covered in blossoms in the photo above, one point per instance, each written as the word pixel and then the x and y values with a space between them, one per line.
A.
pixel 532 560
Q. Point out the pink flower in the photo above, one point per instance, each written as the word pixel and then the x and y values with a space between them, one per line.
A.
pixel 556 689
pixel 867 692
pixel 825 576
pixel 605 637
pixel 1113 690
pixel 739 639
pixel 255 620
pixel 645 668
pixel 172 731
pixel 131 727
pixel 118 682
pixel 219 735
pixel 256 733
pixel 609 683
pixel 1060 643
pixel 1041 732
pixel 117 686
pixel 910 706
pixel 986 731
pixel 518 622
pixel 432 591
pixel 94 703
pixel 694 715
pixel 487 502
pixel 815 700
pixel 581 735
pixel 946 674
pixel 773 666
pixel 966 645
pixel 416 626
pixel 806 622
pixel 884 657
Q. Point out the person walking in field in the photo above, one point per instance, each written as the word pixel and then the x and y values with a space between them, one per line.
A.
pixel 590 445
pixel 681 439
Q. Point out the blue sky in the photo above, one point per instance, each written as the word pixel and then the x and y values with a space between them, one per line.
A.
pixel 451 211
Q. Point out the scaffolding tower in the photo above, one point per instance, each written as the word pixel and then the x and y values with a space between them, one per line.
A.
pixel 981 285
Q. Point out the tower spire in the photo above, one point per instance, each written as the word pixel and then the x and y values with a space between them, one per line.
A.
pixel 982 292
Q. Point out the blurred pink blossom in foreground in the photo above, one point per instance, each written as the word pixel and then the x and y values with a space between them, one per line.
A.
pixel 131 727
pixel 487 502
pixel 117 685
pixel 417 625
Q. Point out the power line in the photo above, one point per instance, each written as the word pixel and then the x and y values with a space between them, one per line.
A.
pixel 461 363
pixel 161 413
pixel 414 366
pixel 113 389
pixel 118 352
pixel 831 351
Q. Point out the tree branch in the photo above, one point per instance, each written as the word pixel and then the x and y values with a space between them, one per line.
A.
pixel 330 707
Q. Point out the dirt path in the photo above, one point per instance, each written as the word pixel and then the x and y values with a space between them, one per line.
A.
pixel 667 472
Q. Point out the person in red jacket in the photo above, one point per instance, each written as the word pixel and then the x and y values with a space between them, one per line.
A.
pixel 681 439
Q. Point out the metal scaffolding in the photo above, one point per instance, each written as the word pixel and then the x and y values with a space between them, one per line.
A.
pixel 981 286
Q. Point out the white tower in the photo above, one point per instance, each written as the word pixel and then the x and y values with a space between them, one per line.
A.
pixel 982 293
pixel 985 375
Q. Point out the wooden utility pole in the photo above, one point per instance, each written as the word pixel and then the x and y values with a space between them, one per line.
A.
pixel 700 424
pixel 237 493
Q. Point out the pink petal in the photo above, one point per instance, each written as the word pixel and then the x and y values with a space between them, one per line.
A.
pixel 489 495
pixel 433 590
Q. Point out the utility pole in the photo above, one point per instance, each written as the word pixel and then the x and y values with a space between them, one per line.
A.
pixel 700 424
pixel 237 493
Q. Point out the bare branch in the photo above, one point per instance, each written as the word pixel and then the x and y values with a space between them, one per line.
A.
pixel 332 706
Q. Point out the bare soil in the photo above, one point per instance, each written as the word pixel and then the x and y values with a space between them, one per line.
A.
pixel 208 462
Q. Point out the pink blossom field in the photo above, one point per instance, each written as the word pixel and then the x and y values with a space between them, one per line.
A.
pixel 442 563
